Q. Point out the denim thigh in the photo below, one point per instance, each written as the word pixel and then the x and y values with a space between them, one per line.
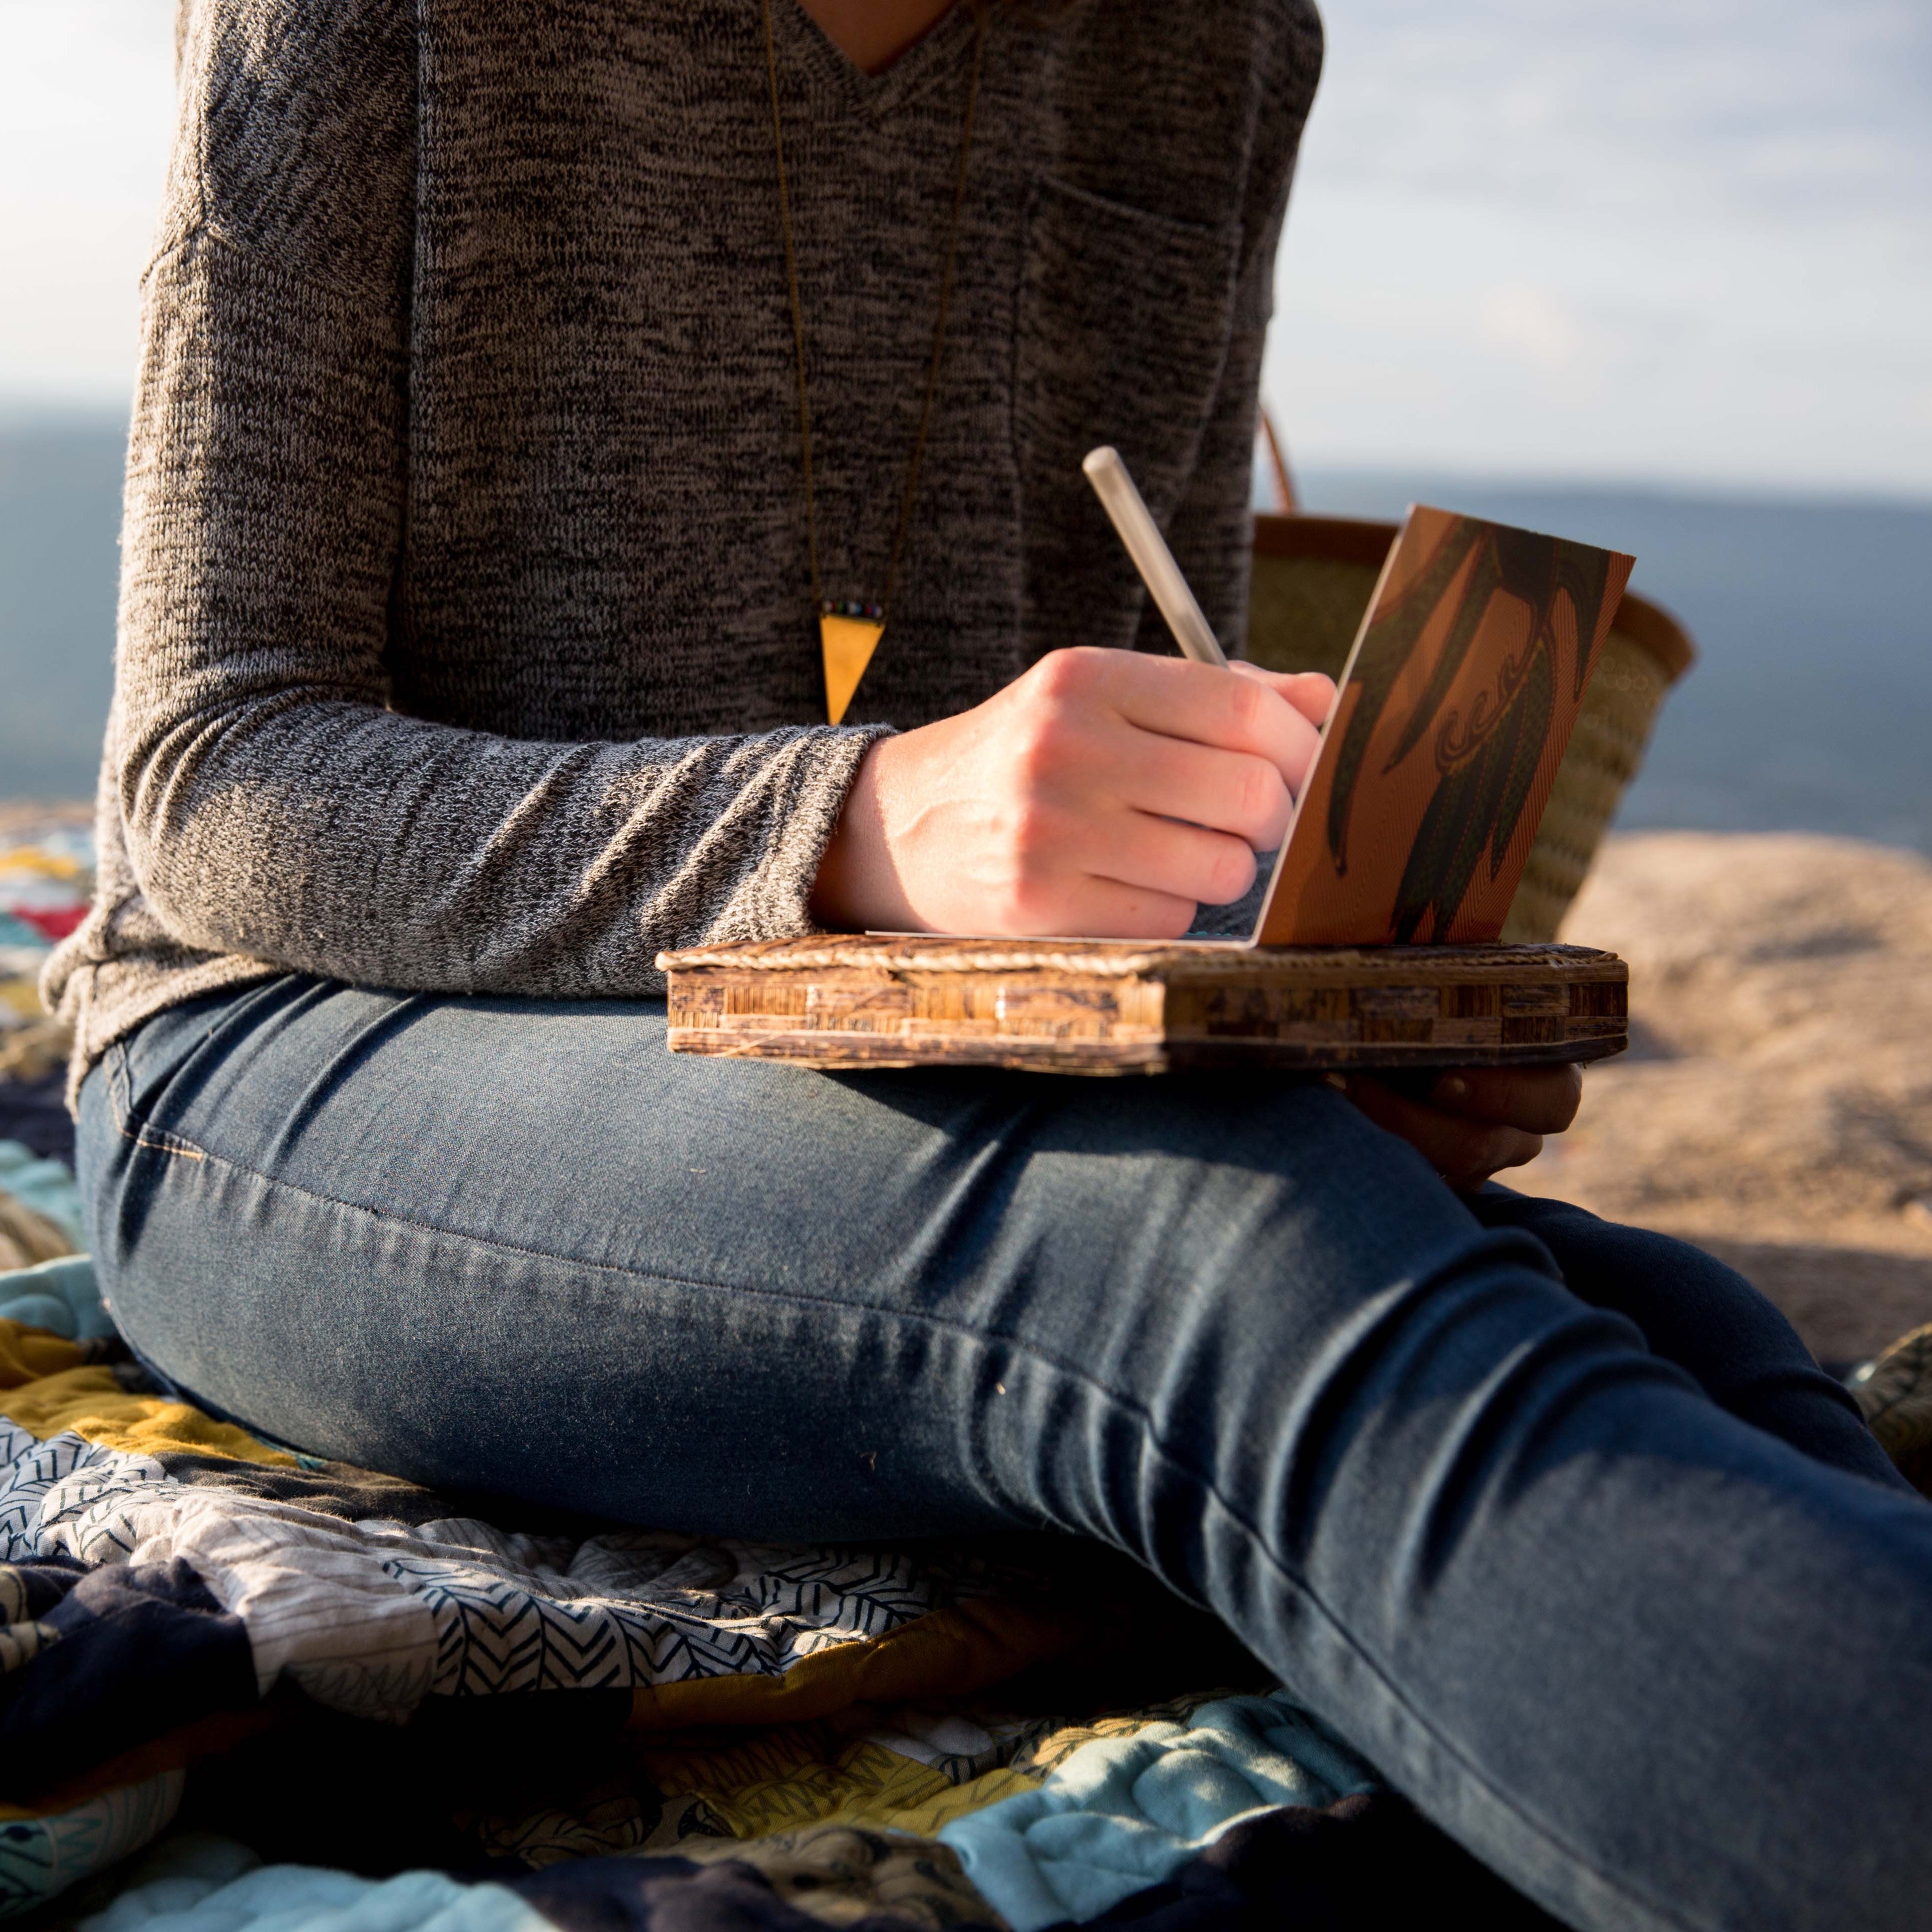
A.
pixel 1656 1664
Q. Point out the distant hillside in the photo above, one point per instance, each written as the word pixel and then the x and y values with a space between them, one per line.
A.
pixel 1810 711
pixel 60 521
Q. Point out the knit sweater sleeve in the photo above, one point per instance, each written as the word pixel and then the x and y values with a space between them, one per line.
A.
pixel 273 804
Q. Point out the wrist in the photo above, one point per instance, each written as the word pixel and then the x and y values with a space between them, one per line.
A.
pixel 857 887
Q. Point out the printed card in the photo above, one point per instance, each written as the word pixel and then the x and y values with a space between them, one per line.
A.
pixel 1452 715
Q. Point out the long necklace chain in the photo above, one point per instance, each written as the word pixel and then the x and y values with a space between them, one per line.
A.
pixel 939 325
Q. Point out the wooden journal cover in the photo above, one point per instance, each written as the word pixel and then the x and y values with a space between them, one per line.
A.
pixel 1375 944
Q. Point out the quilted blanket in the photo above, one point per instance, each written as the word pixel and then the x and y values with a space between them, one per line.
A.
pixel 241 1687
pixel 46 876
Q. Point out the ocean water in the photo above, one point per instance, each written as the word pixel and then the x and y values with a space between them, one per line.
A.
pixel 60 526
pixel 1810 707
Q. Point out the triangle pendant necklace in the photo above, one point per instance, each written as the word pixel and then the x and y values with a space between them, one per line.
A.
pixel 847 642
pixel 849 630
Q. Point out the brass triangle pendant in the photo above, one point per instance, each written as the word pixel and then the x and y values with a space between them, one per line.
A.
pixel 848 643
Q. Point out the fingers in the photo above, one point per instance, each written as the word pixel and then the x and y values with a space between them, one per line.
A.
pixel 1105 909
pixel 1311 692
pixel 1174 698
pixel 1062 862
pixel 1476 1121
pixel 1164 855
pixel 1233 792
pixel 1101 793
pixel 1465 1153
pixel 1538 1099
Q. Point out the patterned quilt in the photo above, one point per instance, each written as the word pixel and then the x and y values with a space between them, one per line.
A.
pixel 46 876
pixel 241 1688
pixel 244 1690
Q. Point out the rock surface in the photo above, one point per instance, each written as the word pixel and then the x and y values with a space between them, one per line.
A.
pixel 1776 1106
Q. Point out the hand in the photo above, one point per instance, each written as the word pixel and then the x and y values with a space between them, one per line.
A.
pixel 1104 793
pixel 1474 1120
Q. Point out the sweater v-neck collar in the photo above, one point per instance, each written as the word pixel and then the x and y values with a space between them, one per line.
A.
pixel 836 86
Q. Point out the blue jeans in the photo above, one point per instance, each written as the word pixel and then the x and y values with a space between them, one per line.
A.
pixel 1555 1521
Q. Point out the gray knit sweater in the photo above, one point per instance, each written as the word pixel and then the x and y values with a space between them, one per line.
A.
pixel 466 641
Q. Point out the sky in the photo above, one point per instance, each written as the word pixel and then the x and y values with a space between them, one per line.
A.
pixel 86 110
pixel 1688 241
pixel 1680 241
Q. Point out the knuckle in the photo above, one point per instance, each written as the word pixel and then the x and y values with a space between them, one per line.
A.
pixel 1249 701
pixel 1065 674
pixel 1045 738
pixel 1264 797
pixel 1049 675
pixel 1031 899
pixel 1231 870
pixel 1020 901
pixel 1171 920
pixel 1033 836
pixel 1035 750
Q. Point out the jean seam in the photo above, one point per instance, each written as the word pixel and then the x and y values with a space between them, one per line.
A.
pixel 983 1337
pixel 143 1133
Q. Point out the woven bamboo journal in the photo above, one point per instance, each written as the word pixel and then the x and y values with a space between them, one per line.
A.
pixel 1380 941
pixel 1109 1007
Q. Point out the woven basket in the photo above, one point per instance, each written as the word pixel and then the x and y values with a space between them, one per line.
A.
pixel 1313 577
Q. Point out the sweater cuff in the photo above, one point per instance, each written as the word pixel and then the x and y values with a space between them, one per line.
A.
pixel 820 782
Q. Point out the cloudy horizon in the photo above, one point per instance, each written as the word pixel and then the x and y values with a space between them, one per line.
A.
pixel 1683 244
pixel 1687 241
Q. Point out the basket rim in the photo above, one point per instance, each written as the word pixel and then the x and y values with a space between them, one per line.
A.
pixel 1365 541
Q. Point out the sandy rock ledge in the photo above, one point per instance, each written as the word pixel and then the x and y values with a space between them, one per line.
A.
pixel 1776 1106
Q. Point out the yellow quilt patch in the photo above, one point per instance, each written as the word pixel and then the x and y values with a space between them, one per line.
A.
pixel 792 1772
pixel 783 1779
pixel 954 1651
pixel 23 996
pixel 28 1354
pixel 91 1404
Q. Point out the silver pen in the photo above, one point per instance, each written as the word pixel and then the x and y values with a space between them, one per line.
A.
pixel 1152 558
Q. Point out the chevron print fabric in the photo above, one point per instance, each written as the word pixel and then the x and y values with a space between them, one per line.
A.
pixel 106 1486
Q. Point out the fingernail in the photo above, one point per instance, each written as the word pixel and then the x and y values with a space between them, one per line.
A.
pixel 1453 1087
